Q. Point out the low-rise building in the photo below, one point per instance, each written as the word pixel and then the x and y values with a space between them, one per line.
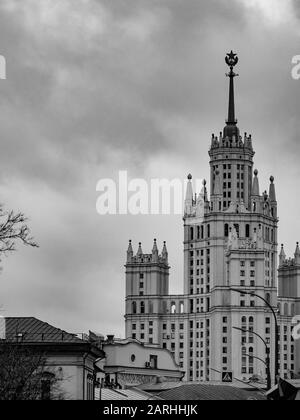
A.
pixel 66 357
pixel 129 363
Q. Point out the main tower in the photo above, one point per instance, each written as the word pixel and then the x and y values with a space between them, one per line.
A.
pixel 230 247
pixel 230 242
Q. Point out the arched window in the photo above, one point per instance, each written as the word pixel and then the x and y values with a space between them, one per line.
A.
pixel 237 228
pixel 198 232
pixel 208 231
pixel 142 307
pixel 191 233
pixel 226 230
pixel 268 298
pixel 202 232
pixel 244 320
pixel 251 351
pixel 293 313
pixel 247 231
pixel 47 381
pixel 173 308
pixel 150 306
pixel 286 309
pixel 164 307
pixel 251 320
pixel 181 307
pixel 244 350
pixel 134 307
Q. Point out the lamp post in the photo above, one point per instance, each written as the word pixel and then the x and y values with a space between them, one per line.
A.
pixel 267 362
pixel 245 292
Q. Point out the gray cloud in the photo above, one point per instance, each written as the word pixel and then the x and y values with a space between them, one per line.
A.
pixel 98 86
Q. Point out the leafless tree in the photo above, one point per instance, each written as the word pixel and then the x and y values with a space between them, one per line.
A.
pixel 24 374
pixel 13 228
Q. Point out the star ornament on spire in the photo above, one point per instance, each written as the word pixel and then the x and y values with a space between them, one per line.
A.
pixel 231 59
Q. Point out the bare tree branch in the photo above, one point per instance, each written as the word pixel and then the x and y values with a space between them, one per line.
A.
pixel 13 228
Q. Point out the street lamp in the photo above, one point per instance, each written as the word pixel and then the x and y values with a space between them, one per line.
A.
pixel 267 362
pixel 245 292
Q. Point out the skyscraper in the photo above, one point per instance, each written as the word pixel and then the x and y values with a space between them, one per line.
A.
pixel 230 246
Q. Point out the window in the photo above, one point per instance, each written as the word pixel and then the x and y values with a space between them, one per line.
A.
pixel 142 307
pixel 237 228
pixel 150 305
pixel 46 384
pixel 134 307
pixel 153 361
pixel 226 230
pixel 191 233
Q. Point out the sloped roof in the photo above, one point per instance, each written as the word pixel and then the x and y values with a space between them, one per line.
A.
pixel 32 330
pixel 131 394
pixel 202 392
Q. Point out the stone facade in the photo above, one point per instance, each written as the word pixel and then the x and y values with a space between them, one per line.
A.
pixel 230 242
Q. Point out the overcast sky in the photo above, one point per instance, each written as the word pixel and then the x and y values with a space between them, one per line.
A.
pixel 94 87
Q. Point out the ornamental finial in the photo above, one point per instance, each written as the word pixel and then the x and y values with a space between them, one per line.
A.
pixel 231 59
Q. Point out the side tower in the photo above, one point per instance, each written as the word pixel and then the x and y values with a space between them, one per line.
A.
pixel 289 307
pixel 147 281
pixel 230 242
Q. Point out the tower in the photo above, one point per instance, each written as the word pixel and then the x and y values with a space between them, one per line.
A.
pixel 231 244
pixel 230 258
pixel 147 280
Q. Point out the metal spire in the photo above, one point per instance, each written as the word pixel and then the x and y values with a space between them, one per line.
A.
pixel 231 60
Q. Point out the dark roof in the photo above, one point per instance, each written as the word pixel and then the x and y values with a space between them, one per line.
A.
pixel 32 330
pixel 202 392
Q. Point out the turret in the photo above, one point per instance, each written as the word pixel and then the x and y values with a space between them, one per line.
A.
pixel 140 251
pixel 282 256
pixel 272 198
pixel 155 252
pixel 255 186
pixel 164 253
pixel 129 252
pixel 297 254
pixel 188 204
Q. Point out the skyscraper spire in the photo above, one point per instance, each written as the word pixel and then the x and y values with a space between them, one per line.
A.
pixel 164 253
pixel 140 251
pixel 272 193
pixel 255 186
pixel 155 252
pixel 188 204
pixel 282 256
pixel 297 254
pixel 231 129
pixel 129 252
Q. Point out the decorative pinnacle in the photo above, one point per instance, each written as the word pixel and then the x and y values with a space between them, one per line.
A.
pixel 231 60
